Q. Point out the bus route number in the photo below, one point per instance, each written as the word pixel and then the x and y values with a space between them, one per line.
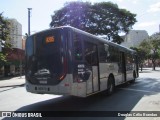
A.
pixel 50 39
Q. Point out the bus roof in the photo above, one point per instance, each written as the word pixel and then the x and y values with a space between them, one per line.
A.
pixel 120 47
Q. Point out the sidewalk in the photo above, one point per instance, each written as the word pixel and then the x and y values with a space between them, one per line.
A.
pixel 149 69
pixel 14 81
pixel 149 102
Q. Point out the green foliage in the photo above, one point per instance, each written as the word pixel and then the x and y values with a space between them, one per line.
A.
pixel 158 51
pixel 141 55
pixel 152 45
pixel 73 13
pixel 4 38
pixel 152 48
pixel 144 46
pixel 2 59
pixel 4 29
pixel 104 18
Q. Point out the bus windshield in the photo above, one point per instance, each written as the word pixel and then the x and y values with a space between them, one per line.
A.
pixel 45 58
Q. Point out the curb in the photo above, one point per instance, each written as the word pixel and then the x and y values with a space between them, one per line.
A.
pixel 21 85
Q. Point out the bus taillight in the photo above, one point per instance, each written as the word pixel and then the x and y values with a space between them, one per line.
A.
pixel 64 69
pixel 62 77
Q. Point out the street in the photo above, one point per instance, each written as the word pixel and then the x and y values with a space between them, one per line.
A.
pixel 143 95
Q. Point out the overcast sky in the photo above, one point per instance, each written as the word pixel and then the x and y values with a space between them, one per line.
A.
pixel 148 12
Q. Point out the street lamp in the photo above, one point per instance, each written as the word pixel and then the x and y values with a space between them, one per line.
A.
pixel 29 9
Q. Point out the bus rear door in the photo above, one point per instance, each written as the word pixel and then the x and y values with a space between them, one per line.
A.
pixel 91 60
pixel 123 66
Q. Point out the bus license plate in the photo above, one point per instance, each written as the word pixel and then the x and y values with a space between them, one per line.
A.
pixel 41 88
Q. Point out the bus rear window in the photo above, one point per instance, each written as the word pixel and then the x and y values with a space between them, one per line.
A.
pixel 46 60
pixel 29 47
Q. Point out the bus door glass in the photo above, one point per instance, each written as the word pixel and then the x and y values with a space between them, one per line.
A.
pixel 123 66
pixel 78 72
pixel 91 60
pixel 129 66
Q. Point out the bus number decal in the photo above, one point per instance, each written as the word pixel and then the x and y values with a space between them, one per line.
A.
pixel 81 66
pixel 81 69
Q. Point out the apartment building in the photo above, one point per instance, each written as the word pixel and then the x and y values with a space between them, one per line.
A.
pixel 15 56
pixel 15 34
pixel 134 38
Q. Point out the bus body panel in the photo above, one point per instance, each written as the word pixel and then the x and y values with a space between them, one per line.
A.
pixel 64 87
pixel 89 84
pixel 103 76
pixel 79 89
pixel 95 79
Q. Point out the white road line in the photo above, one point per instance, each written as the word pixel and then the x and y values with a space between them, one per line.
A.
pixel 138 90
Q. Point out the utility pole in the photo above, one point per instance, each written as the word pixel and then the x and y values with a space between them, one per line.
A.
pixel 29 9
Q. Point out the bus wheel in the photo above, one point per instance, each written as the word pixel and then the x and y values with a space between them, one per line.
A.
pixel 111 86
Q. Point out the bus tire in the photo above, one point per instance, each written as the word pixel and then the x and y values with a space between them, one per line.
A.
pixel 110 86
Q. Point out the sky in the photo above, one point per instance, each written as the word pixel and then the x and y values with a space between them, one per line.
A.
pixel 148 12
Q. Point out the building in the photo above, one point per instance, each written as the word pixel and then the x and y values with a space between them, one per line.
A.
pixel 134 37
pixel 23 42
pixel 15 34
pixel 15 56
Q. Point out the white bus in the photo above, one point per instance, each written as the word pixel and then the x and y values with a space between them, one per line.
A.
pixel 69 61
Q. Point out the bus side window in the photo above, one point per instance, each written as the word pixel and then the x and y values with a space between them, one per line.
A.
pixel 113 54
pixel 129 62
pixel 78 48
pixel 90 52
pixel 103 52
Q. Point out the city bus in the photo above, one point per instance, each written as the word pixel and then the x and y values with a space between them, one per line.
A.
pixel 68 61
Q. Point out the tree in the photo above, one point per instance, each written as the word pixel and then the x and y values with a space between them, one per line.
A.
pixel 103 18
pixel 141 55
pixel 154 43
pixel 4 37
pixel 152 48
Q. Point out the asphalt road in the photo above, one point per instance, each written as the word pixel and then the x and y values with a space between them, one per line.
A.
pixel 143 95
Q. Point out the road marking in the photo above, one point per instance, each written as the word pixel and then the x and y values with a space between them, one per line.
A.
pixel 138 90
